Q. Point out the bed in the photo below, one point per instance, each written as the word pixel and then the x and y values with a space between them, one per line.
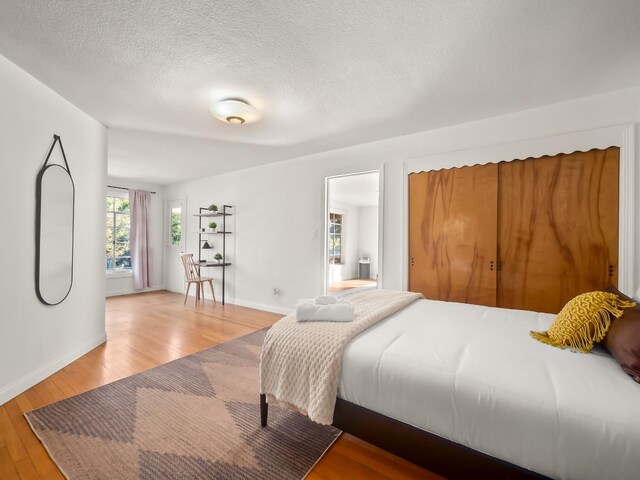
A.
pixel 462 388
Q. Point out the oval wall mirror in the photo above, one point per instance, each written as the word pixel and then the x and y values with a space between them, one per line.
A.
pixel 55 202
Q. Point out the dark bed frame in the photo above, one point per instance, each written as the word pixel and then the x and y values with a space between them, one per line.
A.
pixel 437 454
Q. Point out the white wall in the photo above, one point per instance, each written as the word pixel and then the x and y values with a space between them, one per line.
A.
pixel 36 339
pixel 122 284
pixel 368 237
pixel 277 227
pixel 279 206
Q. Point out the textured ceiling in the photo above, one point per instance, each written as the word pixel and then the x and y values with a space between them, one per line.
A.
pixel 325 74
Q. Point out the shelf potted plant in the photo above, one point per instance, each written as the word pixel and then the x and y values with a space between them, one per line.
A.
pixel 217 257
pixel 213 208
pixel 213 226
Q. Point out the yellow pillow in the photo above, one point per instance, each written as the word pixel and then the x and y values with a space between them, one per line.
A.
pixel 584 320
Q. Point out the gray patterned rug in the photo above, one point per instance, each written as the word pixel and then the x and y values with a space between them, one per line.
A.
pixel 197 417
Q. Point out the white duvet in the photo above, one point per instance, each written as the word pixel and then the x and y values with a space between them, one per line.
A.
pixel 473 375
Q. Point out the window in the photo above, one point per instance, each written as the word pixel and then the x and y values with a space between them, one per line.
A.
pixel 118 250
pixel 176 226
pixel 335 238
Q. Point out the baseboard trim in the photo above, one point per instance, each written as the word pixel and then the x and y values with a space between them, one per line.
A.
pixel 130 291
pixel 261 306
pixel 242 303
pixel 26 382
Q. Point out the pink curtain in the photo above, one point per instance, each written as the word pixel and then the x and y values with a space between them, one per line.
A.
pixel 140 205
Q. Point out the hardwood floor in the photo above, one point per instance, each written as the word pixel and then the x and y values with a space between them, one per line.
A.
pixel 147 330
pixel 345 285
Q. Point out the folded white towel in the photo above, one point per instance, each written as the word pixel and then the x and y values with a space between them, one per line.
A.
pixel 326 300
pixel 338 312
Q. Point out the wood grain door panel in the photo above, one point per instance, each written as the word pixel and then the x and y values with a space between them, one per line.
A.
pixel 557 228
pixel 453 234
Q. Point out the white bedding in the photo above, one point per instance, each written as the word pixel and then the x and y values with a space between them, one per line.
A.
pixel 473 375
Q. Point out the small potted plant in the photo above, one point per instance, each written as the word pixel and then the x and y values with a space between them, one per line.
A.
pixel 213 208
pixel 218 257
pixel 213 226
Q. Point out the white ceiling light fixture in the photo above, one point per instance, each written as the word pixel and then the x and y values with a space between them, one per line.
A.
pixel 234 111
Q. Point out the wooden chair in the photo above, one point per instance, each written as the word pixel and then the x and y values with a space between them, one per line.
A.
pixel 192 275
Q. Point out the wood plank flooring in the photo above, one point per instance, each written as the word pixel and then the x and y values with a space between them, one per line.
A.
pixel 147 330
pixel 345 285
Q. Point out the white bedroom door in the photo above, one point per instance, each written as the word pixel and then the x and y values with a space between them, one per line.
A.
pixel 175 242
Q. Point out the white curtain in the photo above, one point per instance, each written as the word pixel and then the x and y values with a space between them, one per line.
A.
pixel 140 205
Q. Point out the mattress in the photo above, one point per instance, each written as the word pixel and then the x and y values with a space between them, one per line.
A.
pixel 473 375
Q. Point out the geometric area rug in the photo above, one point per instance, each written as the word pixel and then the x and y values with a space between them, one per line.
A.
pixel 197 417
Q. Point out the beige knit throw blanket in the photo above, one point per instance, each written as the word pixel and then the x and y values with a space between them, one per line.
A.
pixel 301 361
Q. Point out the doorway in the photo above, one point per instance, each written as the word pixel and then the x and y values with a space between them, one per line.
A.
pixel 352 218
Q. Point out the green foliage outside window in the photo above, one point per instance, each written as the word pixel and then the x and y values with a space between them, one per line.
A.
pixel 176 226
pixel 335 238
pixel 118 250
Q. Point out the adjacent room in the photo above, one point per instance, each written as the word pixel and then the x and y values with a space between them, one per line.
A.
pixel 394 239
pixel 352 238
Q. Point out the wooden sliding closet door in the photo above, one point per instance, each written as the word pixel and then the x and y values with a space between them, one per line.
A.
pixel 558 228
pixel 452 234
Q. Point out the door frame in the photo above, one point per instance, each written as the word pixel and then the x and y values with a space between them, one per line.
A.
pixel 622 136
pixel 325 223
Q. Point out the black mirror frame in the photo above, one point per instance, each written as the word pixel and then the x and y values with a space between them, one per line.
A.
pixel 45 167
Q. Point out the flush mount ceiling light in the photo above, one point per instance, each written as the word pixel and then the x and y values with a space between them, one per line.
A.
pixel 235 111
